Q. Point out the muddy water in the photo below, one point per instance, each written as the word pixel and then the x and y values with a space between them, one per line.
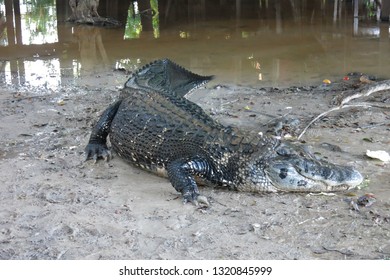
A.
pixel 249 44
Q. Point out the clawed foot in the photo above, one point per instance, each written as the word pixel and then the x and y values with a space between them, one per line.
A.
pixel 202 201
pixel 96 151
pixel 197 200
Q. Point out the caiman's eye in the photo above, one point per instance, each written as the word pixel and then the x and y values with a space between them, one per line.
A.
pixel 283 173
pixel 301 183
pixel 283 151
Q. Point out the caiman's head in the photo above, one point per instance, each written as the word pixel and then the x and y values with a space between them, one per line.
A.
pixel 292 168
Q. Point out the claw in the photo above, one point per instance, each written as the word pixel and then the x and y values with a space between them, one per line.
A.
pixel 107 156
pixel 186 198
pixel 96 151
pixel 87 156
pixel 189 197
pixel 202 200
pixel 196 200
pixel 94 158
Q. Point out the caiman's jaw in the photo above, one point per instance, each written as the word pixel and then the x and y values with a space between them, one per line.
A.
pixel 307 175
pixel 293 170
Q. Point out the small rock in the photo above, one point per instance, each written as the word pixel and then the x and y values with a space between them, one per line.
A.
pixel 255 227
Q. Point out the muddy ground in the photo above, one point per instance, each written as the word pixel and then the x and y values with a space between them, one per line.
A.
pixel 53 205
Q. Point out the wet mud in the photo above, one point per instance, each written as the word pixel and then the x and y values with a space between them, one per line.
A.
pixel 54 205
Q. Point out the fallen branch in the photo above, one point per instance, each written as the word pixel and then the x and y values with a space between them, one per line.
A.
pixel 364 92
pixel 367 90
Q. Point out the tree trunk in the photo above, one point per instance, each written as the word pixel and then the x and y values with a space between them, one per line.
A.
pixel 85 12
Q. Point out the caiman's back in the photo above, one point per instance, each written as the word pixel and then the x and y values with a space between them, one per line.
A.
pixel 150 131
pixel 155 124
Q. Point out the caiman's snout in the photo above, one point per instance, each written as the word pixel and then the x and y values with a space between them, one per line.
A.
pixel 296 172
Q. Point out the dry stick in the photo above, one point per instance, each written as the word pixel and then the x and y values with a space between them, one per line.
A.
pixel 327 112
pixel 365 91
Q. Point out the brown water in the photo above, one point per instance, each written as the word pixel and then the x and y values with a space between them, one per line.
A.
pixel 242 43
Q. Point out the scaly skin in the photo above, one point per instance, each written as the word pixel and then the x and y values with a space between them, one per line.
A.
pixel 154 127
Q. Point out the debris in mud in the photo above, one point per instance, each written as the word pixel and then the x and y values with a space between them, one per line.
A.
pixel 365 200
pixel 321 194
pixel 381 155
pixel 379 218
pixel 331 147
pixel 351 95
pixel 326 82
pixel 342 251
pixel 368 139
pixel 284 126
pixel 255 226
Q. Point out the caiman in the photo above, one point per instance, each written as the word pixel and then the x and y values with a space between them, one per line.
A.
pixel 156 128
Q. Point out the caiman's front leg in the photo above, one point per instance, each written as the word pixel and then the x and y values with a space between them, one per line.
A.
pixel 97 145
pixel 181 175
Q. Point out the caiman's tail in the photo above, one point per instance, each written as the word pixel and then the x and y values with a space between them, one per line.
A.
pixel 166 76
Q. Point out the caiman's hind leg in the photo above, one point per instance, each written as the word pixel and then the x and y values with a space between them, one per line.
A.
pixel 97 145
